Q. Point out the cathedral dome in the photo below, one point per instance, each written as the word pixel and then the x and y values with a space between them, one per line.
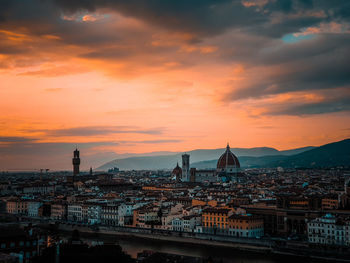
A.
pixel 177 169
pixel 228 160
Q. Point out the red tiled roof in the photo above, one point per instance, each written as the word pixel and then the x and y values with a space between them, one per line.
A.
pixel 228 159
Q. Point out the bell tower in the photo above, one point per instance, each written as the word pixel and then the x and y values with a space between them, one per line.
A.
pixel 76 162
pixel 185 168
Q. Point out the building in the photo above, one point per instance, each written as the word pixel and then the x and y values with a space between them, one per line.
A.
pixel 246 225
pixel 148 217
pixel 228 167
pixel 125 213
pixel 345 197
pixel 202 176
pixel 17 206
pixel 190 222
pixel 75 212
pixel 76 162
pixel 33 208
pixel 215 220
pixel 329 230
pixel 109 215
pixel 94 214
pixel 185 167
pixel 58 211
pixel 177 224
pixel 177 173
pixel 38 188
pixel 330 202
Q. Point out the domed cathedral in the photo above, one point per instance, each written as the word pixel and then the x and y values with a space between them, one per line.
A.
pixel 228 167
pixel 177 173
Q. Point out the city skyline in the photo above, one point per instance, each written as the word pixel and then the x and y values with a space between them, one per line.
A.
pixel 116 77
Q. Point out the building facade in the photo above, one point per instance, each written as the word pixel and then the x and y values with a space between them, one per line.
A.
pixel 329 230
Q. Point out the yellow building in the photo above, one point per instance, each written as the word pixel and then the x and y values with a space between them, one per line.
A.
pixel 330 203
pixel 215 218
pixel 17 206
pixel 245 226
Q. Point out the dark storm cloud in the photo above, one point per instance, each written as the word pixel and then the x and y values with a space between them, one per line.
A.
pixel 338 105
pixel 201 17
pixel 253 38
pixel 96 130
pixel 321 73
pixel 312 65
pixel 206 17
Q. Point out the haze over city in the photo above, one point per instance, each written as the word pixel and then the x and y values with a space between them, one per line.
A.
pixel 116 77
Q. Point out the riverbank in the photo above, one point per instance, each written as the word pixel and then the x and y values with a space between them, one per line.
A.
pixel 264 248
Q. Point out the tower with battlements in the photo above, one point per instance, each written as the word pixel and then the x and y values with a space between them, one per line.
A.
pixel 76 162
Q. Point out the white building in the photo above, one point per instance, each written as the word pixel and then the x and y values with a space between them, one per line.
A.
pixel 186 223
pixel 94 214
pixel 329 230
pixel 177 224
pixel 125 214
pixel 190 222
pixel 33 208
pixel 37 188
pixel 75 212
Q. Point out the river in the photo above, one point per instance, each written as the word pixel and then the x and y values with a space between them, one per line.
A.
pixel 132 246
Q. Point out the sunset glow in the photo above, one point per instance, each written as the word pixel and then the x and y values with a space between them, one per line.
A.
pixel 114 77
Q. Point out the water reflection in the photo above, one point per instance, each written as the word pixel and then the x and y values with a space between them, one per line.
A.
pixel 132 246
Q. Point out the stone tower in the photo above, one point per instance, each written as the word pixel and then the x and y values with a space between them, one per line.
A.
pixel 76 162
pixel 185 167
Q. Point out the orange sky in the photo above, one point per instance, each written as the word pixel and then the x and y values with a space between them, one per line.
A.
pixel 135 86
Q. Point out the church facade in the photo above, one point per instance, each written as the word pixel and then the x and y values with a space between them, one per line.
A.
pixel 228 169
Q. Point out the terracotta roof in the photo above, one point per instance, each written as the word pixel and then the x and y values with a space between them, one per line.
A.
pixel 177 169
pixel 228 159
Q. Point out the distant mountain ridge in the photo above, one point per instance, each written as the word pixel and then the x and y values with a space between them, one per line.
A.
pixel 329 155
pixel 168 160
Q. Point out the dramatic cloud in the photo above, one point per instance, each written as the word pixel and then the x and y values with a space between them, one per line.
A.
pixel 206 72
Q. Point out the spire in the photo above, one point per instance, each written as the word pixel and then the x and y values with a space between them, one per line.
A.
pixel 228 147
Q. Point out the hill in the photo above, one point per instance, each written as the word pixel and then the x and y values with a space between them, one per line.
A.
pixel 329 155
pixel 169 161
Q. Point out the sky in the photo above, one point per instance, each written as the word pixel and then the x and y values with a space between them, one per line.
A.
pixel 114 77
